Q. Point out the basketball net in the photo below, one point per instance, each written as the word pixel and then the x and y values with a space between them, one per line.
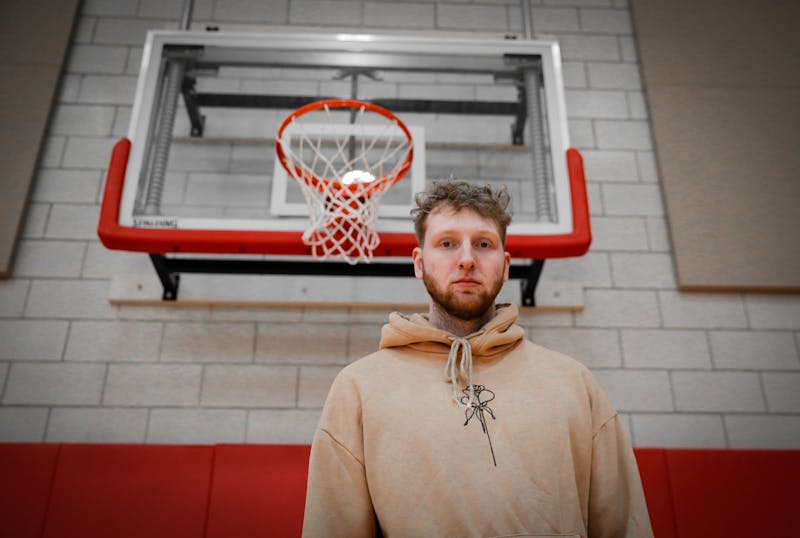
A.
pixel 344 165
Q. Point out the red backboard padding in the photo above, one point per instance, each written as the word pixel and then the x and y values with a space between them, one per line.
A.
pixel 259 490
pixel 652 464
pixel 735 493
pixel 162 240
pixel 26 472
pixel 130 491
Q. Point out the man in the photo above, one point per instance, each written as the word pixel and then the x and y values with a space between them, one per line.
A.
pixel 459 426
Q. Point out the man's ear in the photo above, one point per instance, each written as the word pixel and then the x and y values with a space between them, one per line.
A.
pixel 508 266
pixel 416 256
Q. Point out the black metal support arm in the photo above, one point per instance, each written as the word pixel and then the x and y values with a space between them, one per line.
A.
pixel 195 101
pixel 529 281
pixel 169 277
pixel 441 106
pixel 509 68
pixel 169 270
pixel 189 92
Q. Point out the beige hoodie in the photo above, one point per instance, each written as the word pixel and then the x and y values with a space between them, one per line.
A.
pixel 534 450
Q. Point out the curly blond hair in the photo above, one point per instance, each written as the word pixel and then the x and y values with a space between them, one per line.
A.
pixel 456 194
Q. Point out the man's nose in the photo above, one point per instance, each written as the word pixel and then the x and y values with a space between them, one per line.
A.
pixel 466 257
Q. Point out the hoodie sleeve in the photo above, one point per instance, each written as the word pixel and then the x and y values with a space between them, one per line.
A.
pixel 338 502
pixel 617 506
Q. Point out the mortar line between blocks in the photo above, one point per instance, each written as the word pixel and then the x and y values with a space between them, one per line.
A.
pixel 25 303
pixel 93 33
pixel 796 339
pixel 725 430
pixel 63 354
pixel 743 298
pixel 710 348
pixel 671 380
pixel 84 255
pixel 763 391
pixel 149 411
pixel 247 413
pixel 297 387
pixel 201 385
pixel 660 312
pixel 5 381
pixel 254 346
pixel 47 423
pixel 105 384
pixel 161 336
pixel 622 360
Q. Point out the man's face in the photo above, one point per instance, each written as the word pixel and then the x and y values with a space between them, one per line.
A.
pixel 462 262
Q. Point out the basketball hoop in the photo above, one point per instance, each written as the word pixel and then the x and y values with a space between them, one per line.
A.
pixel 357 152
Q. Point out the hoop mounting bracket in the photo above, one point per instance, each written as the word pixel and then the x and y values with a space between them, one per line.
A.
pixel 169 270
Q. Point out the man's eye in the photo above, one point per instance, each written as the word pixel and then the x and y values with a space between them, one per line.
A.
pixel 484 244
pixel 447 244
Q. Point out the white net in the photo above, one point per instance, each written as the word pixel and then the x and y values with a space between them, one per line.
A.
pixel 353 154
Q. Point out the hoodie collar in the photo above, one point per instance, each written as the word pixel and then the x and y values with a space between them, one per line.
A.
pixel 416 331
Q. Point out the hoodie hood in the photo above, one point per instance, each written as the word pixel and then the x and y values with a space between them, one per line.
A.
pixel 416 332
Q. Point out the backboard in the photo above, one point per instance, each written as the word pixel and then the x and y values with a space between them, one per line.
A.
pixel 200 173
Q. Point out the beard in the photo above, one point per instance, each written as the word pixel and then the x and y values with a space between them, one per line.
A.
pixel 465 306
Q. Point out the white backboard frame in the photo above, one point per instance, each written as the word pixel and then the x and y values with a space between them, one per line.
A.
pixel 460 49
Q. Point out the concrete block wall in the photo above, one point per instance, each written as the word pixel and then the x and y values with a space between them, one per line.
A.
pixel 685 369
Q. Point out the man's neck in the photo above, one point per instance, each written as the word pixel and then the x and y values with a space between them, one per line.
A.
pixel 440 319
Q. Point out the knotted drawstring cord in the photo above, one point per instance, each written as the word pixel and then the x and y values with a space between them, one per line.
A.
pixel 452 368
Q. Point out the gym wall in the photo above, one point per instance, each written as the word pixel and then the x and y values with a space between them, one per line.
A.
pixel 685 369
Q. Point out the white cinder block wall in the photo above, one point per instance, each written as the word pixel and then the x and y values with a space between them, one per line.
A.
pixel 686 369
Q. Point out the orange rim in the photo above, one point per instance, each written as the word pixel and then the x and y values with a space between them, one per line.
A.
pixel 320 183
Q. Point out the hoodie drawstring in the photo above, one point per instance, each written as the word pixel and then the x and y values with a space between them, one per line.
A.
pixel 452 369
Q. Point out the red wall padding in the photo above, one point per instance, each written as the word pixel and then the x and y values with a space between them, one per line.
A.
pixel 130 491
pixel 123 491
pixel 258 491
pixel 657 491
pixel 26 475
pixel 735 493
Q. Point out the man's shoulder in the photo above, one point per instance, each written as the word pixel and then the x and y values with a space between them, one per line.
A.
pixel 552 358
pixel 368 364
pixel 371 374
pixel 558 367
pixel 562 368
